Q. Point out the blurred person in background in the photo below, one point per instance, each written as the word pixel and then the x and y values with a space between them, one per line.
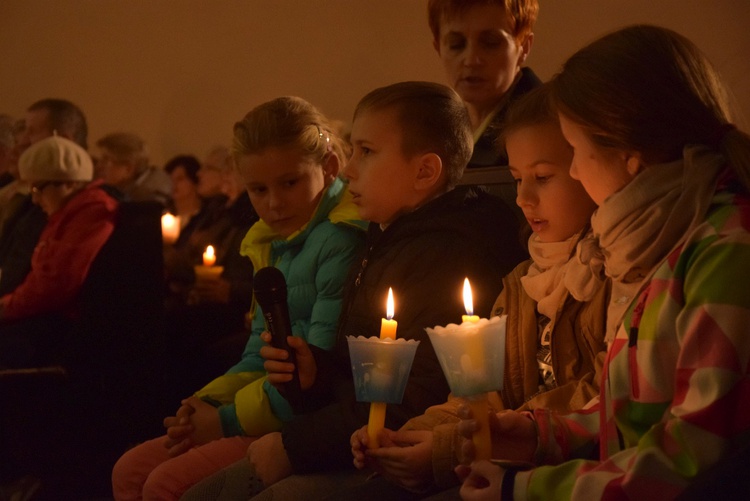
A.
pixel 24 221
pixel 36 315
pixel 123 164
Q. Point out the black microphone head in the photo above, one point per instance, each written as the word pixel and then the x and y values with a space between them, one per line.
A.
pixel 269 286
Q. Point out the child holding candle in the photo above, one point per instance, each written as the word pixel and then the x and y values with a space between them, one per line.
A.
pixel 654 146
pixel 411 143
pixel 309 228
pixel 554 344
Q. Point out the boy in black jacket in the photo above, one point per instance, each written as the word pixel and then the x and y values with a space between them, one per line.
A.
pixel 411 143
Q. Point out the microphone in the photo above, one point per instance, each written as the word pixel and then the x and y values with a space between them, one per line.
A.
pixel 269 287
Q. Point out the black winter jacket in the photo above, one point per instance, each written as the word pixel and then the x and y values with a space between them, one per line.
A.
pixel 424 256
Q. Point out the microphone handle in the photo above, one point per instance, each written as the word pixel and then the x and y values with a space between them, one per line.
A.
pixel 277 320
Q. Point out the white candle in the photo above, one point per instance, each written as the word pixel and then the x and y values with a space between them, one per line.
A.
pixel 474 358
pixel 209 257
pixel 170 228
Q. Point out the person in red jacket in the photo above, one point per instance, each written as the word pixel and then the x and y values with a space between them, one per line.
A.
pixel 81 219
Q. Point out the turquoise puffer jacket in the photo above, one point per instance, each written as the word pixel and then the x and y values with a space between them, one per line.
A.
pixel 315 261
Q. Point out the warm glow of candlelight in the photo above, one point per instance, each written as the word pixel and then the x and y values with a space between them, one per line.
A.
pixel 469 304
pixel 388 325
pixel 170 228
pixel 475 353
pixel 209 257
pixel 468 300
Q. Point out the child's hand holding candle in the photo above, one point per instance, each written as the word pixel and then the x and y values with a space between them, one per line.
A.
pixel 381 366
pixel 472 356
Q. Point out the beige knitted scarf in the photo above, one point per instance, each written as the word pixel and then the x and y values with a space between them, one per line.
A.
pixel 554 272
pixel 641 224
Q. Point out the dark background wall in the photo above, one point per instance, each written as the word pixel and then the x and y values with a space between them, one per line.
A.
pixel 181 72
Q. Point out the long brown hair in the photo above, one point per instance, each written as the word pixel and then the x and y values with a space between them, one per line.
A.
pixel 651 90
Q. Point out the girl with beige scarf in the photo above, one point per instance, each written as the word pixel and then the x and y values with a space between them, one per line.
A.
pixel 649 121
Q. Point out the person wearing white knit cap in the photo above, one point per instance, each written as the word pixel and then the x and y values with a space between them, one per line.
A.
pixel 81 217
pixel 23 221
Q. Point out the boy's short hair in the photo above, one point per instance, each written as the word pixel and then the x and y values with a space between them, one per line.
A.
pixel 522 13
pixel 433 119
pixel 536 107
pixel 66 118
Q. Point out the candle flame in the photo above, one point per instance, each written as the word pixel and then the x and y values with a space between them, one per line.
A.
pixel 170 228
pixel 389 307
pixel 210 251
pixel 468 300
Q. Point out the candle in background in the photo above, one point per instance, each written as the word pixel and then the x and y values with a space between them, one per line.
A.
pixel 170 228
pixel 208 271
pixel 209 257
pixel 469 304
pixel 377 409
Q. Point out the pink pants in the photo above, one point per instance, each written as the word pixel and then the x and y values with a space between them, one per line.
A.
pixel 147 472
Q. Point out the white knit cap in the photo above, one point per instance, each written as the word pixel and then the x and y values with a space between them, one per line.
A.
pixel 55 159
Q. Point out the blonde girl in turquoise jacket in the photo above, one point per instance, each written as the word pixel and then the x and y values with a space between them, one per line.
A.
pixel 288 158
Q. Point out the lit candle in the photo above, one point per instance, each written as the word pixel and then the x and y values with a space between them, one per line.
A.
pixel 468 304
pixel 170 228
pixel 478 404
pixel 377 409
pixel 208 271
pixel 209 257
pixel 474 348
pixel 388 325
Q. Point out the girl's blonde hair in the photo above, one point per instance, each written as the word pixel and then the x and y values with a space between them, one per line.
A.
pixel 287 122
pixel 651 90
